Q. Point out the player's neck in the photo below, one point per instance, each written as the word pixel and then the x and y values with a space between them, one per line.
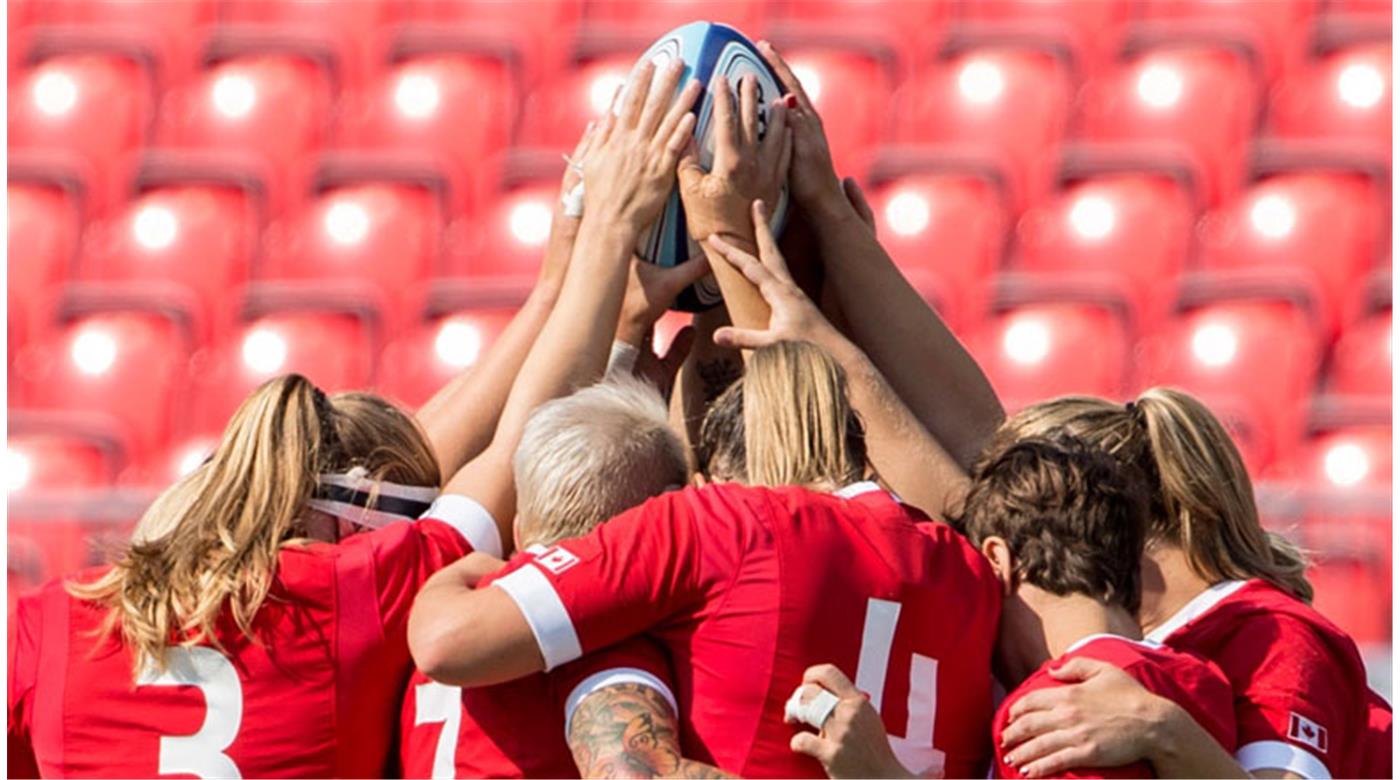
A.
pixel 1069 619
pixel 1168 584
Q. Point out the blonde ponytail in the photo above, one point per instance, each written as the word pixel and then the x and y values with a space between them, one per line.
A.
pixel 1202 497
pixel 211 541
pixel 799 427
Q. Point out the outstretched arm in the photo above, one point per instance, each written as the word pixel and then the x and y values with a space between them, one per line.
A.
pixel 923 361
pixel 627 177
pixel 630 730
pixel 905 454
pixel 460 419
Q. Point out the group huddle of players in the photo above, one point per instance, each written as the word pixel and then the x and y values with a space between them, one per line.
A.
pixel 806 540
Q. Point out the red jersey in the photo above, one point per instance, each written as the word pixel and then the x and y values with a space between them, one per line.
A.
pixel 317 695
pixel 746 587
pixel 1300 687
pixel 519 728
pixel 1195 685
pixel 1380 733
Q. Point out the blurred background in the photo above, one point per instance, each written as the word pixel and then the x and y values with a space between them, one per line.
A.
pixel 1098 195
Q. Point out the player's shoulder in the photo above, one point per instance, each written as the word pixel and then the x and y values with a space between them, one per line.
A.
pixel 1261 619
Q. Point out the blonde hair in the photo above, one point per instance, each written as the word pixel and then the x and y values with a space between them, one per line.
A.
pixel 212 539
pixel 1201 496
pixel 799 427
pixel 592 455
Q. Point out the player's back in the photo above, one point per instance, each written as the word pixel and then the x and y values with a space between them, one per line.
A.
pixel 314 693
pixel 746 587
pixel 1195 685
pixel 1301 695
pixel 903 606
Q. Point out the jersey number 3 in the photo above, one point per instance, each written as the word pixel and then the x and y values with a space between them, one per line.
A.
pixel 201 753
pixel 915 749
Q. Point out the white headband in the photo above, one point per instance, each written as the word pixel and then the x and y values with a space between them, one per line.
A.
pixel 348 497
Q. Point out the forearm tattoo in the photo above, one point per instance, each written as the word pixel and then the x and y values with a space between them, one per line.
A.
pixel 629 730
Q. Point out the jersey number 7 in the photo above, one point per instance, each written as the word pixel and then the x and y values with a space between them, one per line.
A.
pixel 915 749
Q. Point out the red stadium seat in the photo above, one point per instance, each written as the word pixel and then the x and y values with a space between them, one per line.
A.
pixel 53 461
pixel 455 110
pixel 199 241
pixel 353 31
pixel 945 232
pixel 851 91
pixel 556 113
pixel 265 115
pixel 1191 107
pixel 1279 30
pixel 1045 350
pixel 1363 358
pixel 91 109
pixel 537 39
pixel 41 238
pixel 121 373
pixel 173 33
pixel 1130 227
pixel 422 362
pixel 1343 97
pixel 385 235
pixel 1008 106
pixel 1329 227
pixel 1094 30
pixel 1349 459
pixel 512 238
pixel 1257 358
pixel 48 541
pixel 652 18
pixel 332 349
pixel 912 30
pixel 167 466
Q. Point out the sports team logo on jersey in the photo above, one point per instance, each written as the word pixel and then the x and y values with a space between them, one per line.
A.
pixel 557 560
pixel 1300 729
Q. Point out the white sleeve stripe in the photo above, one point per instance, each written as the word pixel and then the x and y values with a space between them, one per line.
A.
pixel 471 519
pixel 618 676
pixel 545 612
pixel 1282 756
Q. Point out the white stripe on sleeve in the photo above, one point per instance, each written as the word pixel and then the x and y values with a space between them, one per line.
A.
pixel 1282 756
pixel 471 520
pixel 545 612
pixel 617 676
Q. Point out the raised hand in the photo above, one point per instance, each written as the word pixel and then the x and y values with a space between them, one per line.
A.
pixel 628 173
pixel 814 183
pixel 651 290
pixel 744 168
pixel 793 315
pixel 563 227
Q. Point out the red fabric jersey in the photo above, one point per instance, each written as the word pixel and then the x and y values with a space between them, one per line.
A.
pixel 746 587
pixel 1380 733
pixel 1197 686
pixel 316 696
pixel 516 729
pixel 1301 698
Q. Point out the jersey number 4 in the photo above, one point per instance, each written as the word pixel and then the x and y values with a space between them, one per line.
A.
pixel 915 749
pixel 201 753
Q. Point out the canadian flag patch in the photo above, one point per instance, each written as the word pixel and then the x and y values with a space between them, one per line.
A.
pixel 557 560
pixel 1302 730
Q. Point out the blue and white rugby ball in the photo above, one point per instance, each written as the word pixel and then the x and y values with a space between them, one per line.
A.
pixel 706 49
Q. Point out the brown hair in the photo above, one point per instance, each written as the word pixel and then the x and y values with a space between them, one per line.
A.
pixel 799 427
pixel 212 539
pixel 720 448
pixel 1074 518
pixel 1201 496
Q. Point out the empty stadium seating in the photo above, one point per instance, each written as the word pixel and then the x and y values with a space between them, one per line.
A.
pixel 42 239
pixel 851 90
pixel 1001 107
pixel 1191 108
pixel 419 364
pixel 1092 32
pixel 1344 98
pixel 171 35
pixel 1363 358
pixel 1278 32
pixel 1044 350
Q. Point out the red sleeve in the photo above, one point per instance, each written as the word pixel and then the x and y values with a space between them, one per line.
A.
pixel 402 556
pixel 1293 710
pixel 627 575
pixel 638 661
pixel 23 651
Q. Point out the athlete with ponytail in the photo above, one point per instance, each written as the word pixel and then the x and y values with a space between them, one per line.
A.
pixel 256 625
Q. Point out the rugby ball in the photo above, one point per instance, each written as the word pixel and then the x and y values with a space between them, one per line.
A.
pixel 707 49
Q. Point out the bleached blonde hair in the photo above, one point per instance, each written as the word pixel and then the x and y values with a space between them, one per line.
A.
pixel 211 541
pixel 592 455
